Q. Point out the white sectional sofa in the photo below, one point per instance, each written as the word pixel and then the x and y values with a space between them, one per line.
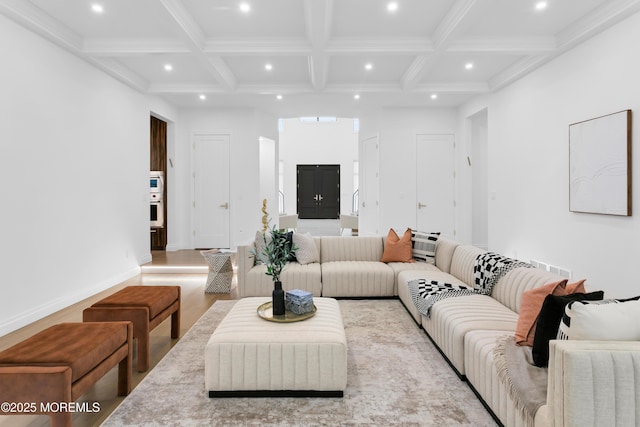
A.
pixel 589 382
pixel 348 266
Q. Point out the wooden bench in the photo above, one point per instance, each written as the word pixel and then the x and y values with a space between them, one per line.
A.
pixel 146 307
pixel 57 365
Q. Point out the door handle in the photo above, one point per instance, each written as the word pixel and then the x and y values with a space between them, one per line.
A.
pixel 320 197
pixel 225 205
pixel 315 197
pixel 420 205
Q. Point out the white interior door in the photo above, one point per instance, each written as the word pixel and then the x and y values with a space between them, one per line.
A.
pixel 435 205
pixel 368 211
pixel 211 191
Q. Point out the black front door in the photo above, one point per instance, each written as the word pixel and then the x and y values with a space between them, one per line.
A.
pixel 318 191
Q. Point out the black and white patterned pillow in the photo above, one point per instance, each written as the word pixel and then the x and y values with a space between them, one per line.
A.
pixel 606 320
pixel 423 246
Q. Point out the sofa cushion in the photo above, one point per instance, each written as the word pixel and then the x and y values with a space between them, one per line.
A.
pixel 423 246
pixel 420 267
pixel 452 318
pixel 463 261
pixel 350 248
pixel 397 249
pixel 404 276
pixel 357 279
pixel 481 371
pixel 549 321
pixel 445 249
pixel 294 276
pixel 510 288
pixel 607 320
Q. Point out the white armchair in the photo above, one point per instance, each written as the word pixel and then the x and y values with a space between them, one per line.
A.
pixel 349 221
pixel 288 222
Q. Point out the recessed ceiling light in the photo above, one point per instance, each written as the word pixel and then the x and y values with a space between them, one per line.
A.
pixel 268 67
pixel 97 8
pixel 434 96
pixel 245 7
pixel 392 7
pixel 368 66
pixel 279 96
pixel 356 96
pixel 541 5
pixel 203 97
pixel 168 67
pixel 468 65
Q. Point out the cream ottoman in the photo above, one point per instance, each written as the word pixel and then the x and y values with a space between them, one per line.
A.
pixel 250 356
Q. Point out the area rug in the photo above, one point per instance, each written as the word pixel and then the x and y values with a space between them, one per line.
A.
pixel 395 377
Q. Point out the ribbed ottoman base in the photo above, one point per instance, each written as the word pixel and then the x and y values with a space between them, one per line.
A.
pixel 249 356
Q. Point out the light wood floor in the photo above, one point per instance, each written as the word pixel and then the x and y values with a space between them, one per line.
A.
pixel 193 304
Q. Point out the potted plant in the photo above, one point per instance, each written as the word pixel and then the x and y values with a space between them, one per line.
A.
pixel 278 249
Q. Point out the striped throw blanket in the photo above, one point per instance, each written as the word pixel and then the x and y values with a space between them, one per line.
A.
pixel 488 268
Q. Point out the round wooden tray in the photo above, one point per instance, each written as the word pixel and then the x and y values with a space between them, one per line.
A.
pixel 265 311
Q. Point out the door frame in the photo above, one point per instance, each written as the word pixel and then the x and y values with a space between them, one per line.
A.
pixel 451 134
pixel 194 135
pixel 317 167
pixel 369 215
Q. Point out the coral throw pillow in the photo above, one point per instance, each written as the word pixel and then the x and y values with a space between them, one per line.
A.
pixel 398 249
pixel 530 308
pixel 576 288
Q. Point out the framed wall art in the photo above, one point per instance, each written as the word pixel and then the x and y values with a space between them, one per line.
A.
pixel 600 165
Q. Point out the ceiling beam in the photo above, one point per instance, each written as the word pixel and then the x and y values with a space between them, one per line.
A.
pixel 35 19
pixel 609 14
pixel 416 71
pixel 441 38
pixel 132 47
pixel 502 45
pixel 194 34
pixel 319 22
pixel 598 20
pixel 122 73
pixel 446 30
pixel 278 47
pixel 395 46
pixel 196 40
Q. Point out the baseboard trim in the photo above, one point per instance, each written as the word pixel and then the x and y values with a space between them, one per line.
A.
pixel 174 269
pixel 58 304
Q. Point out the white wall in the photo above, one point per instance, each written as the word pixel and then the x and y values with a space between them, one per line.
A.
pixel 479 160
pixel 74 154
pixel 397 129
pixel 245 126
pixel 269 177
pixel 329 143
pixel 529 164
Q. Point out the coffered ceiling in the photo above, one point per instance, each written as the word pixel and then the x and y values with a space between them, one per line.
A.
pixel 317 49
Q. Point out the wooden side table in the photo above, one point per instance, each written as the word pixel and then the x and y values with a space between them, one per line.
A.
pixel 220 272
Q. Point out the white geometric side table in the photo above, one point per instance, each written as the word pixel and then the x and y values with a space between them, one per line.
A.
pixel 220 271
